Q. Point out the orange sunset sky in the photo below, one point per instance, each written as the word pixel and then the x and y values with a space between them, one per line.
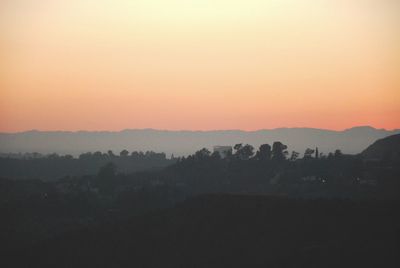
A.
pixel 199 65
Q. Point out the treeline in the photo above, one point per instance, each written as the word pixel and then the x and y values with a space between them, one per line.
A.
pixel 54 166
pixel 271 169
pixel 277 152
pixel 88 155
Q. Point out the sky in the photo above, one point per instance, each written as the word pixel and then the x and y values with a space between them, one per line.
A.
pixel 199 64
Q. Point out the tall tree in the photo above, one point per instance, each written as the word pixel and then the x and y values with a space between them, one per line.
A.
pixel 124 153
pixel 294 156
pixel 264 152
pixel 308 153
pixel 279 151
pixel 244 152
pixel 202 154
pixel 338 154
pixel 110 154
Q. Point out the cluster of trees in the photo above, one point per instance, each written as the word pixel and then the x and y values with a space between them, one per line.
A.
pixel 277 152
pixel 54 166
pixel 110 155
pixel 123 154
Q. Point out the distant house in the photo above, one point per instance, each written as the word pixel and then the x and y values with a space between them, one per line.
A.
pixel 223 151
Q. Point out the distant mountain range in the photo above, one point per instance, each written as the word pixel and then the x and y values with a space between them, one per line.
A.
pixel 350 141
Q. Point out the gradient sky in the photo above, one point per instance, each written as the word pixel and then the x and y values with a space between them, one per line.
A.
pixel 199 65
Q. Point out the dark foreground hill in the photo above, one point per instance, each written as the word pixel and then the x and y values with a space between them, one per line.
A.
pixel 384 149
pixel 235 231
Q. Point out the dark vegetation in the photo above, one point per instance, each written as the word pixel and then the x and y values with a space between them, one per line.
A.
pixel 384 149
pixel 54 166
pixel 236 231
pixel 287 211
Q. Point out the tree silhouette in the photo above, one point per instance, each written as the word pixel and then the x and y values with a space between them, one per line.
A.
pixel 294 156
pixel 237 147
pixel 244 152
pixel 279 151
pixel 338 154
pixel 110 154
pixel 308 153
pixel 264 152
pixel 202 154
pixel 124 153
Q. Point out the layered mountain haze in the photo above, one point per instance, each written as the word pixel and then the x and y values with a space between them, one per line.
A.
pixel 180 143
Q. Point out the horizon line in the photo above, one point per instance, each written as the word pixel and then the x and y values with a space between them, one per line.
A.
pixel 197 130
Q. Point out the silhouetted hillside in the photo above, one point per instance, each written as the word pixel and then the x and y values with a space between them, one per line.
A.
pixel 386 148
pixel 289 210
pixel 236 231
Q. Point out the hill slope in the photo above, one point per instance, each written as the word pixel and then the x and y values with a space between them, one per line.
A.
pixel 236 231
pixel 386 148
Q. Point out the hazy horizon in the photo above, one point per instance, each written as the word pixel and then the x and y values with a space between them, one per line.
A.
pixel 181 143
pixel 199 130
